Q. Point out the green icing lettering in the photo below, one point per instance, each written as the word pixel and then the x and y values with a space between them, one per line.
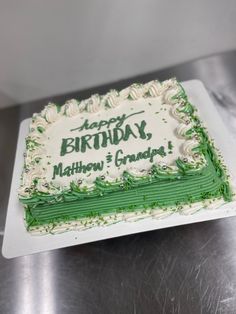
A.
pixel 89 166
pixel 67 172
pixel 139 156
pixel 141 131
pixel 112 120
pixel 66 146
pixel 96 143
pixel 118 161
pixel 161 151
pixel 146 154
pixel 120 120
pixel 128 133
pixel 98 166
pixel 77 144
pixel 76 167
pixel 132 158
pixel 57 171
pixel 84 126
pixel 107 138
pixel 84 142
pixel 150 153
pixel 118 135
pixel 117 121
pixel 93 125
pixel 101 124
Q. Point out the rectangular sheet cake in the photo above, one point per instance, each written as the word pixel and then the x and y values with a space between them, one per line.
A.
pixel 124 156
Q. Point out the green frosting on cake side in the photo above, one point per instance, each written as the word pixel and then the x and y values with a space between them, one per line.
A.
pixel 159 193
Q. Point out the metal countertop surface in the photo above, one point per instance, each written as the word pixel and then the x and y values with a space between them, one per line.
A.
pixel 185 269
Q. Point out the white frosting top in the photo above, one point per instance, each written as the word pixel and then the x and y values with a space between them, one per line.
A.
pixel 153 112
pixel 103 136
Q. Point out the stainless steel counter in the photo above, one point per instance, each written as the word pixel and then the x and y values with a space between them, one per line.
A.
pixel 186 269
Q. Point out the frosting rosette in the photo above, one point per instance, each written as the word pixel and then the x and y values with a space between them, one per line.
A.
pixel 176 113
pixel 169 83
pixel 51 113
pixel 30 175
pixel 189 146
pixel 169 95
pixel 93 103
pixel 71 107
pixel 124 93
pixel 42 186
pixel 82 105
pixel 154 88
pixel 183 128
pixel 136 91
pixel 36 137
pixel 38 123
pixel 112 99
pixel 35 155
pixel 137 172
pixel 24 191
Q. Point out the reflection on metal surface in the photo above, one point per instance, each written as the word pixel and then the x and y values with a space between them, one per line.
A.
pixel 34 284
pixel 25 287
pixel 46 283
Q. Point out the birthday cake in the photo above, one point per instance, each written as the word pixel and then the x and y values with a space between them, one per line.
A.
pixel 128 155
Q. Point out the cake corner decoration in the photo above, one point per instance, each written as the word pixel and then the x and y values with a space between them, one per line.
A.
pixel 123 156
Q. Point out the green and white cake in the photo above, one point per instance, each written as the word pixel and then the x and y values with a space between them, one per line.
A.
pixel 124 156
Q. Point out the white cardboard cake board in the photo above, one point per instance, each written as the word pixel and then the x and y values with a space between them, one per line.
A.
pixel 18 242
